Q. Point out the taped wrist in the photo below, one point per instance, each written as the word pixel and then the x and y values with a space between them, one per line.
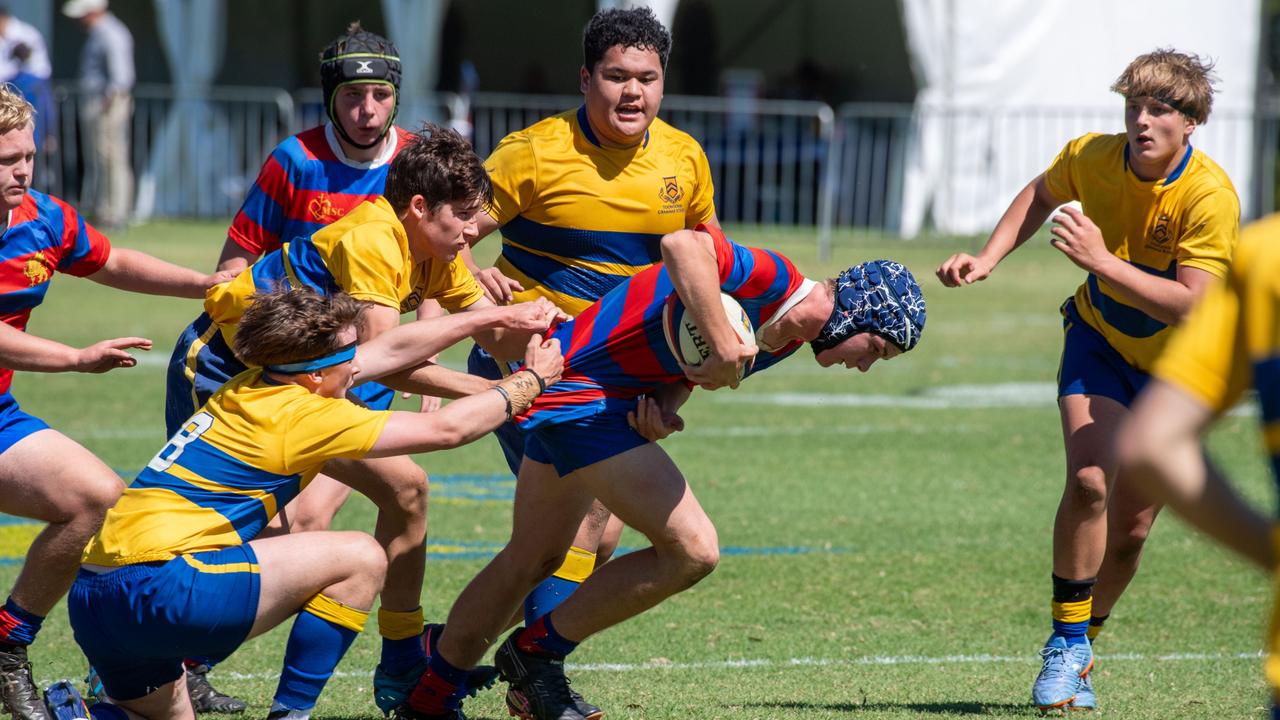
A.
pixel 520 389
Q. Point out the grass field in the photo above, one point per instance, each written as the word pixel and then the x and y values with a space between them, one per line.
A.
pixel 887 536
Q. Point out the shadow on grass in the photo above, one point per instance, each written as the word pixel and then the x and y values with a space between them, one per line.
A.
pixel 942 708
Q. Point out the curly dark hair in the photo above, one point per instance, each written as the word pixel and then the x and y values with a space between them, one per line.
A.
pixel 283 325
pixel 635 28
pixel 439 165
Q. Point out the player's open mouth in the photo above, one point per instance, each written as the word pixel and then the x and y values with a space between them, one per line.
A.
pixel 630 112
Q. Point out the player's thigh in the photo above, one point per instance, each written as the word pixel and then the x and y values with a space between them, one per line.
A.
pixel 169 701
pixel 644 488
pixel 548 511
pixel 50 477
pixel 1089 425
pixel 293 568
pixel 316 505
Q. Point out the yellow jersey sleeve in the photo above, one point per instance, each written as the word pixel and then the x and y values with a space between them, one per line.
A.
pixel 1063 176
pixel 1205 357
pixel 369 264
pixel 452 285
pixel 512 167
pixel 327 428
pixel 1213 223
pixel 702 206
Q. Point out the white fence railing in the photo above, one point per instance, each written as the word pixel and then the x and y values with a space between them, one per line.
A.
pixel 892 170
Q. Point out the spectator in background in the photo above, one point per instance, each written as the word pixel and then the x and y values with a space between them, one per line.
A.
pixel 35 89
pixel 14 32
pixel 106 85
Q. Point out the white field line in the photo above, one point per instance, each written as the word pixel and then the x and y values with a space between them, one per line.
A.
pixel 826 662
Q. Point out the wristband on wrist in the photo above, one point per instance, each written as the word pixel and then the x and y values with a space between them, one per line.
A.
pixel 505 396
pixel 542 384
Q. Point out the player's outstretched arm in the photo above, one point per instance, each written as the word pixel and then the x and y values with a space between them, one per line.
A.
pixel 469 418
pixel 690 258
pixel 1159 449
pixel 413 344
pixel 23 351
pixel 139 272
pixel 1028 211
pixel 437 381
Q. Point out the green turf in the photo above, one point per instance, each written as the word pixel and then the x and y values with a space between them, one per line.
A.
pixel 920 583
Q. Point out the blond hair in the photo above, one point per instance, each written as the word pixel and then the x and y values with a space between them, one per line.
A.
pixel 1182 81
pixel 15 111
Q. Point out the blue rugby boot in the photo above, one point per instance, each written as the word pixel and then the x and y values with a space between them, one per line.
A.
pixel 64 702
pixel 391 691
pixel 1061 674
pixel 1085 699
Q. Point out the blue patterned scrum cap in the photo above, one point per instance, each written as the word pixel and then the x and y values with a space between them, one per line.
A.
pixel 881 297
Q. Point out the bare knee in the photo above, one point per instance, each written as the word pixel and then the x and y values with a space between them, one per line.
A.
pixel 529 568
pixel 411 493
pixel 1087 487
pixel 365 558
pixel 92 497
pixel 695 558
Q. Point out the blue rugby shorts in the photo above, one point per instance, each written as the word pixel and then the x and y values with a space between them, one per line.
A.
pixel 137 623
pixel 1090 366
pixel 16 424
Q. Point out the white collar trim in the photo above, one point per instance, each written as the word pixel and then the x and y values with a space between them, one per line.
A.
pixel 384 157
pixel 801 293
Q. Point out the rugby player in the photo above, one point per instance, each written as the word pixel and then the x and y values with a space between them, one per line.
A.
pixel 43 474
pixel 583 441
pixel 1231 342
pixel 392 252
pixel 1158 222
pixel 178 568
pixel 581 200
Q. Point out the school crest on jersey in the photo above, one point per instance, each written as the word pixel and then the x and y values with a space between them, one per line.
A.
pixel 1161 238
pixel 671 194
pixel 36 271
pixel 323 211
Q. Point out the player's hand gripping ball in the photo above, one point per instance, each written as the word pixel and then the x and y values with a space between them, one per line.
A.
pixel 686 340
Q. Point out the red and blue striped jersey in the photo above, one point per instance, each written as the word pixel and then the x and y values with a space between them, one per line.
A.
pixel 305 185
pixel 45 235
pixel 615 349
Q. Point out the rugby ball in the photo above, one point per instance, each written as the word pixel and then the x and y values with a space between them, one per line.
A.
pixel 685 339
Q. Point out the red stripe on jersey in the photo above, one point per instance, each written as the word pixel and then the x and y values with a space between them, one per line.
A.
pixel 761 277
pixel 315 146
pixel 251 236
pixel 582 327
pixel 629 348
pixel 546 403
pixel 273 180
pixel 25 212
pixel 724 252
pixel 16 274
pixel 17 320
pixel 322 206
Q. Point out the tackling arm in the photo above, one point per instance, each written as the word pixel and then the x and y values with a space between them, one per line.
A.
pixel 139 272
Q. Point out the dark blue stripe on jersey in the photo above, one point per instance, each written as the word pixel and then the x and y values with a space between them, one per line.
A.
pixel 1177 172
pixel 573 281
pixel 264 210
pixel 309 267
pixel 246 515
pixel 81 248
pixel 603 246
pixel 208 461
pixel 1266 378
pixel 326 175
pixel 268 272
pixel 24 299
pixel 1128 319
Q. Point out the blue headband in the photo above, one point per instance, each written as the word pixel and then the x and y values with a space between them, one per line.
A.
pixel 337 357
pixel 881 297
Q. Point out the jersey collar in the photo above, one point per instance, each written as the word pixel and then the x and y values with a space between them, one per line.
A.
pixel 1173 176
pixel 383 157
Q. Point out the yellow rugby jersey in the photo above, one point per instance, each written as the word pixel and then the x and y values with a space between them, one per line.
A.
pixel 1189 218
pixel 365 254
pixel 578 218
pixel 247 452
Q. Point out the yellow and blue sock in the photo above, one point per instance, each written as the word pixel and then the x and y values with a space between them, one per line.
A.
pixel 321 634
pixel 1095 626
pixel 18 626
pixel 401 632
pixel 1072 607
pixel 541 638
pixel 440 689
pixel 577 566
